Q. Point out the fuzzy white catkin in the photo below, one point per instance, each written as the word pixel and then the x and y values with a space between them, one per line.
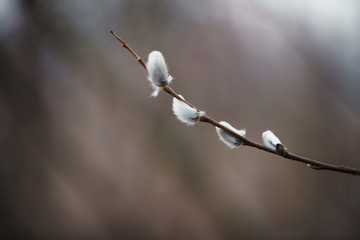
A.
pixel 184 112
pixel 227 138
pixel 158 71
pixel 270 140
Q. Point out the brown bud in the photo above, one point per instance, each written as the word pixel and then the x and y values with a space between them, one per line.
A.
pixel 281 149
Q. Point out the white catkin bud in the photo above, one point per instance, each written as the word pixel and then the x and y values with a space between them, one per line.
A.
pixel 227 138
pixel 270 140
pixel 158 72
pixel 185 113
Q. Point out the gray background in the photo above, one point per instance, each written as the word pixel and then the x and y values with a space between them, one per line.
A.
pixel 85 153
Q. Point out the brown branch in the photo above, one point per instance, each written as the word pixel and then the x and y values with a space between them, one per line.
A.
pixel 129 49
pixel 280 149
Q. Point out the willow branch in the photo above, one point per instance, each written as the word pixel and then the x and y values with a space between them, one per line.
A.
pixel 280 149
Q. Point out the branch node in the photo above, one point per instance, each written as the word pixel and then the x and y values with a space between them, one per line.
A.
pixel 315 167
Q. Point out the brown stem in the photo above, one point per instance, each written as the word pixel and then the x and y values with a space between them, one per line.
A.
pixel 129 49
pixel 247 142
pixel 175 95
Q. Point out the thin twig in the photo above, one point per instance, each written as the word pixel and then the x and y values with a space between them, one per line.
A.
pixel 129 49
pixel 281 151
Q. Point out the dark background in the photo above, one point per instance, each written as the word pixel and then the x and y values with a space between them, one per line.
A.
pixel 85 153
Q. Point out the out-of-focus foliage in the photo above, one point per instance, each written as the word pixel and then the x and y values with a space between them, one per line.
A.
pixel 85 153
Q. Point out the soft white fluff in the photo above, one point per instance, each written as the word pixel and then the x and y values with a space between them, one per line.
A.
pixel 229 139
pixel 158 71
pixel 270 140
pixel 184 112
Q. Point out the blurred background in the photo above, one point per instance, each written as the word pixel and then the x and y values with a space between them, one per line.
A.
pixel 86 153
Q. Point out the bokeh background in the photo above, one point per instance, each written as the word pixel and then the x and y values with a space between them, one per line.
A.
pixel 85 153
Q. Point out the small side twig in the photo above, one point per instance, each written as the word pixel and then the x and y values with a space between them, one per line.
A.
pixel 280 150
